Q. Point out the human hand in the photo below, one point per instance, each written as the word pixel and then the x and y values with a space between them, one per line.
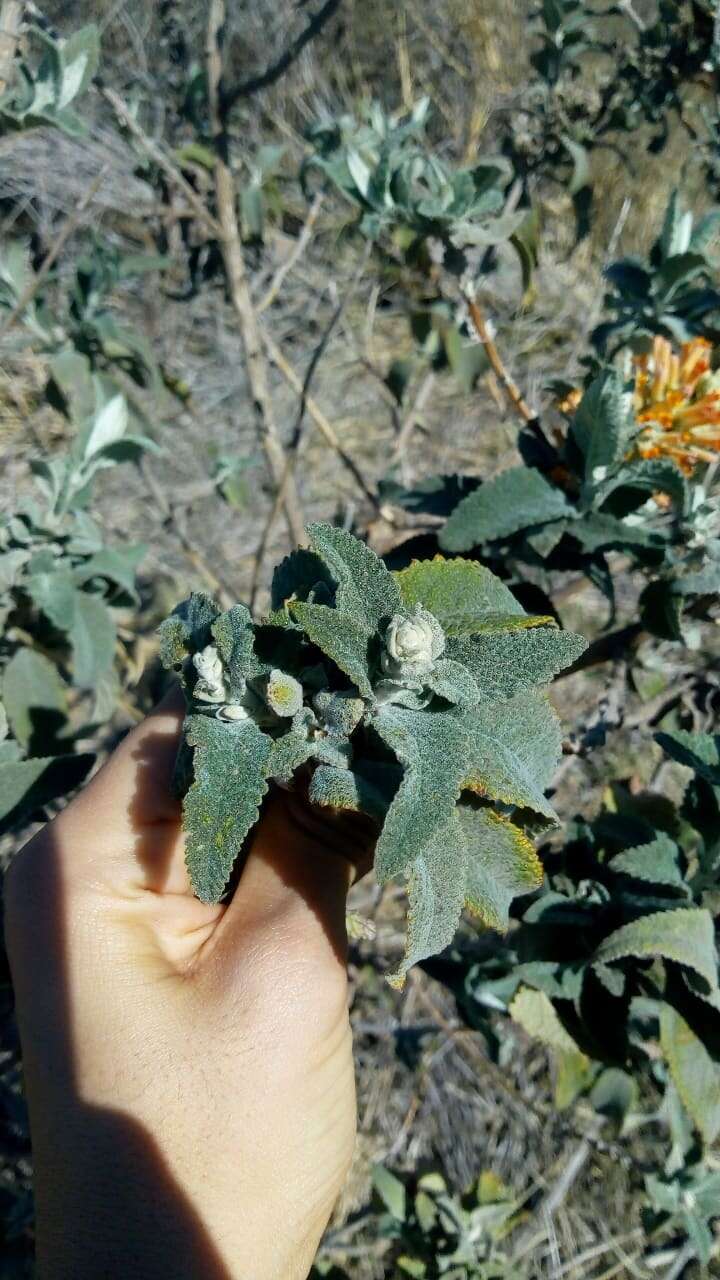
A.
pixel 188 1067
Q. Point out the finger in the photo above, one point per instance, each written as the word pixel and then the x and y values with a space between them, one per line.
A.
pixel 125 826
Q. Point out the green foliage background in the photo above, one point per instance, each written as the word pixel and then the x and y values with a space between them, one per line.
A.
pixel 540 1103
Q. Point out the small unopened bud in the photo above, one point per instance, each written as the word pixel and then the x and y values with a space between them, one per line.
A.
pixel 284 694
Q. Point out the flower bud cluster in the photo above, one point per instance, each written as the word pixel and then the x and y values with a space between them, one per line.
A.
pixel 280 695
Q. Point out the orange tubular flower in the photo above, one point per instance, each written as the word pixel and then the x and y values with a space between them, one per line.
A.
pixel 677 402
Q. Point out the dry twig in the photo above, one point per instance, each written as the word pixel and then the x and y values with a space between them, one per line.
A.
pixel 157 155
pixel 284 270
pixel 277 69
pixel 238 283
pixel 297 437
pixel 507 382
pixel 321 421
pixel 171 515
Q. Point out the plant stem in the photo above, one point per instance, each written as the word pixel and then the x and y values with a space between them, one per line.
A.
pixel 237 279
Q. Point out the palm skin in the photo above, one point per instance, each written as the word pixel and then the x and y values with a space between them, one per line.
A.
pixel 188 1066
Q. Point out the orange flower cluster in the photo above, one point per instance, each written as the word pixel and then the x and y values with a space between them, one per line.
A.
pixel 677 399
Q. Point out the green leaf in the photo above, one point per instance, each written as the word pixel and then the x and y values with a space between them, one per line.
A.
pixel 72 375
pixel 390 1190
pixel 233 634
pixel 506 664
pixel 297 576
pixel 115 565
pixel 289 752
pixel 340 637
pixel 676 229
pixel 432 747
pixel 365 588
pixel 187 630
pixel 535 1013
pixel 79 58
pixel 84 617
pixel 436 892
pixel 602 425
pixel 109 426
pixel 453 682
pixel 34 698
pixel 54 594
pixel 650 475
pixel 92 636
pixel 581 165
pixel 28 785
pixel 514 750
pixel 699 751
pixel 463 595
pixel 597 531
pixel 230 767
pixel 695 1075
pixel 346 789
pixel 657 862
pixel 685 935
pixel 501 864
pixel 516 499
pixel 614 1095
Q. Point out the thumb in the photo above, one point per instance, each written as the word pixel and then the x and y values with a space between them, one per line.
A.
pixel 124 829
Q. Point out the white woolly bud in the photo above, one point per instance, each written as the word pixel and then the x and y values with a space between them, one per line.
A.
pixel 210 685
pixel 413 642
pixel 233 711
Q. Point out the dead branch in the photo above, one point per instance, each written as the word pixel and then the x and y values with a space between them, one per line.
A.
pixel 411 420
pixel 271 74
pixel 302 243
pixel 238 283
pixel 507 382
pixel 321 421
pixel 297 436
pixel 172 516
pixel 157 155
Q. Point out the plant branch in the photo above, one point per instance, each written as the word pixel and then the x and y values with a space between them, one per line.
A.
pixel 157 155
pixel 238 284
pixel 297 436
pixel 172 517
pixel 321 421
pixel 284 270
pixel 271 74
pixel 507 382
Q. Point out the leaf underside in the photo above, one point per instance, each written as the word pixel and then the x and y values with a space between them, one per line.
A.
pixel 695 1075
